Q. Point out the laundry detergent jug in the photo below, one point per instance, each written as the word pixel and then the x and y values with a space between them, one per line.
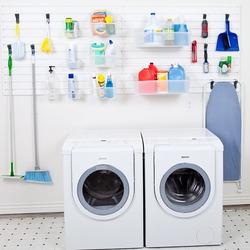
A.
pixel 176 76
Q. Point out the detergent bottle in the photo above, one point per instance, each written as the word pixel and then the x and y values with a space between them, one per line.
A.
pixel 154 69
pixel 176 72
pixel 109 92
pixel 153 30
pixel 176 76
pixel 181 36
pixel 169 32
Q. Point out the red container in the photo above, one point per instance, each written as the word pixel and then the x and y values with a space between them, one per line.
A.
pixel 146 75
pixel 152 67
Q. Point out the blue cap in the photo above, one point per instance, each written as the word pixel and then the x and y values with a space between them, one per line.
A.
pixel 111 42
pixel 71 76
pixel 152 13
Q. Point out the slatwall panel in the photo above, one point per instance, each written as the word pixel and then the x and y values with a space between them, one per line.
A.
pixel 130 57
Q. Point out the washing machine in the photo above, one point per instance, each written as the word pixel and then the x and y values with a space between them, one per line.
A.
pixel 183 187
pixel 103 189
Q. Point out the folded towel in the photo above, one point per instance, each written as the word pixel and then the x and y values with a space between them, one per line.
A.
pixel 223 118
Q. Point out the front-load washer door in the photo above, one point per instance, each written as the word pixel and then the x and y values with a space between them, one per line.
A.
pixel 103 180
pixel 184 184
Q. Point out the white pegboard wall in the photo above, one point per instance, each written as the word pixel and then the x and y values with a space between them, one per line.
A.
pixel 130 21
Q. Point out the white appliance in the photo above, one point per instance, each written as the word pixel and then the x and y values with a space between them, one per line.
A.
pixel 183 187
pixel 103 189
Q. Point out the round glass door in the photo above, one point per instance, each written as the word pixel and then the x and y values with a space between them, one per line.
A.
pixel 103 190
pixel 185 188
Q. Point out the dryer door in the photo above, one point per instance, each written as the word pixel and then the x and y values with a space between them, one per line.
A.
pixel 185 179
pixel 103 181
pixel 103 189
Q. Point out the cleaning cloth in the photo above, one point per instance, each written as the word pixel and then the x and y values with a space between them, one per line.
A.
pixel 223 118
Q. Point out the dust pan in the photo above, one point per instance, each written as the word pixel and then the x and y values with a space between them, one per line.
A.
pixel 227 41
pixel 47 45
pixel 18 47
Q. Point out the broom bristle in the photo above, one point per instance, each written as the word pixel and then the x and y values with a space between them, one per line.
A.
pixel 40 176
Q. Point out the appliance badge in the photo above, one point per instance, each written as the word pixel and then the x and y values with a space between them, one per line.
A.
pixel 103 158
pixel 185 157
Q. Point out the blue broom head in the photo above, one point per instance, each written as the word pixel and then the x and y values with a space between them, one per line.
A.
pixel 38 176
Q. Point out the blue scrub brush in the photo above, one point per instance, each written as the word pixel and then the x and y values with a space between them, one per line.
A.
pixel 37 175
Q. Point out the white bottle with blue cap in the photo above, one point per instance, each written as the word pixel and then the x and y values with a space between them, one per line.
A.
pixel 72 87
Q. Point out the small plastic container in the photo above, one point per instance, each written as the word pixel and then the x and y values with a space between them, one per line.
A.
pixel 177 86
pixel 98 53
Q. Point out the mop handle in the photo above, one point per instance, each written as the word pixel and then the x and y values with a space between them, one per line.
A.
pixel 11 113
pixel 32 46
pixel 48 24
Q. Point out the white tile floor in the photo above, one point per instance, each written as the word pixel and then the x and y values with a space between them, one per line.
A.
pixel 40 232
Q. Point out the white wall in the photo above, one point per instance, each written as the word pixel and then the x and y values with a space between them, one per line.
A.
pixel 56 120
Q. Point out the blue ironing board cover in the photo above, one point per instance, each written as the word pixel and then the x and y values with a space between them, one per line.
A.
pixel 223 118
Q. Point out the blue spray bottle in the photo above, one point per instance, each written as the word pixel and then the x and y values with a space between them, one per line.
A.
pixel 109 91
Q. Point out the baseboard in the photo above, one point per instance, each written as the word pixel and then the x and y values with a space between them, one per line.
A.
pixel 20 208
pixel 236 200
pixel 31 208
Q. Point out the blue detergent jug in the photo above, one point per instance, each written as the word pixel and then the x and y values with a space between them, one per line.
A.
pixel 181 36
pixel 176 77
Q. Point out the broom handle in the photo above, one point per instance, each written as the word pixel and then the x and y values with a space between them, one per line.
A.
pixel 11 112
pixel 34 108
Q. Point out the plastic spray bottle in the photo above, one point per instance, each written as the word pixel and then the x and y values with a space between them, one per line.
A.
pixel 52 93
pixel 109 91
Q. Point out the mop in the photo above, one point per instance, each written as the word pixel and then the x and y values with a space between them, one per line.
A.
pixel 37 175
pixel 18 47
pixel 11 121
pixel 47 45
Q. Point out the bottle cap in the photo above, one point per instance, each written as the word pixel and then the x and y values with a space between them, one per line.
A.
pixel 111 42
pixel 71 76
pixel 204 16
pixel 152 13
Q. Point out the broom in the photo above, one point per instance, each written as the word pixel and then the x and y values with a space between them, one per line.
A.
pixel 37 175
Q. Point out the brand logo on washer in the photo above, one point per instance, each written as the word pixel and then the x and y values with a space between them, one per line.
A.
pixel 185 156
pixel 102 158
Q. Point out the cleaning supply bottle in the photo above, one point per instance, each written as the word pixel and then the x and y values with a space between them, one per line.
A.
pixel 154 69
pixel 52 95
pixel 109 91
pixel 176 72
pixel 72 87
pixel 181 37
pixel 100 85
pixel 110 53
pixel 72 60
pixel 176 76
pixel 153 30
pixel 204 27
pixel 110 48
pixel 169 32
